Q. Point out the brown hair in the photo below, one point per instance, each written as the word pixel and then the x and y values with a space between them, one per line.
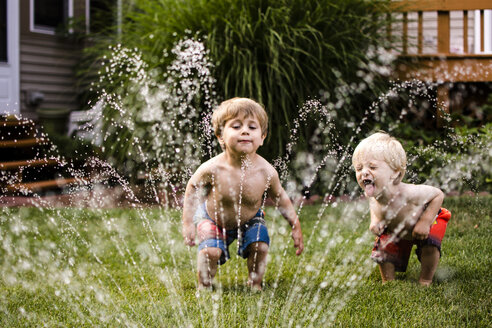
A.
pixel 231 108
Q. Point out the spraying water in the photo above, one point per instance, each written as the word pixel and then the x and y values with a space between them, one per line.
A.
pixel 93 264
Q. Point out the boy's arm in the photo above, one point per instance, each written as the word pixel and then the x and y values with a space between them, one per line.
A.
pixel 192 199
pixel 434 202
pixel 276 192
pixel 377 224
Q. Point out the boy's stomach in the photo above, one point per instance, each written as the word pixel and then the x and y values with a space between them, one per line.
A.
pixel 231 218
pixel 402 228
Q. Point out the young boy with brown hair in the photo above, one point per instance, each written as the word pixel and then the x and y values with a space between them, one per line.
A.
pixel 402 214
pixel 224 196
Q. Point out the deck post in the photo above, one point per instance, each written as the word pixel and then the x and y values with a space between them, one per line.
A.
pixel 465 31
pixel 405 33
pixel 443 32
pixel 442 103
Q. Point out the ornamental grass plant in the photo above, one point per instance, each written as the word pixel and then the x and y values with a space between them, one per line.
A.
pixel 281 53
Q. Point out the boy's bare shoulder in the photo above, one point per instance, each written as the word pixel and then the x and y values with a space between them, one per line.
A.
pixel 420 193
pixel 263 164
pixel 212 163
pixel 206 169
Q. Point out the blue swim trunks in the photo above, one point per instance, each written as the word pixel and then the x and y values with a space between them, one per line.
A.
pixel 213 235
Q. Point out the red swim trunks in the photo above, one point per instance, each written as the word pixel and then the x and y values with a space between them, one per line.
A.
pixel 387 248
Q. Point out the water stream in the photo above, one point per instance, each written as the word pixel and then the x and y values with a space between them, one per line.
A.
pixel 95 264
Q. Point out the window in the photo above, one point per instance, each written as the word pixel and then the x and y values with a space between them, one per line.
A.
pixel 48 15
pixel 102 15
pixel 3 31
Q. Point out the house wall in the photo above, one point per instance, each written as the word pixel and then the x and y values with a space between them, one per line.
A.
pixel 47 65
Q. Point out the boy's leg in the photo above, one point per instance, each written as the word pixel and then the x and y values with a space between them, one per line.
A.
pixel 429 251
pixel 387 270
pixel 208 259
pixel 211 247
pixel 391 255
pixel 257 258
pixel 429 259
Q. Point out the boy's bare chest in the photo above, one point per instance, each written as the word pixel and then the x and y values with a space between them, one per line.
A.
pixel 403 214
pixel 246 186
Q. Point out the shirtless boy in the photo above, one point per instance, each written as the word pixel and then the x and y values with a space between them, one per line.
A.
pixel 224 196
pixel 402 214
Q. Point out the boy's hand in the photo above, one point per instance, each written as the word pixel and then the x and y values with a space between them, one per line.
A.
pixel 377 228
pixel 297 237
pixel 189 234
pixel 421 230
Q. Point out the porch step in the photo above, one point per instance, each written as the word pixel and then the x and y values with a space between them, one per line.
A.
pixel 13 128
pixel 20 122
pixel 33 187
pixel 27 165
pixel 23 149
pixel 14 165
pixel 23 143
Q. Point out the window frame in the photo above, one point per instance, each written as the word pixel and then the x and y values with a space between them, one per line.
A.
pixel 46 29
pixel 4 38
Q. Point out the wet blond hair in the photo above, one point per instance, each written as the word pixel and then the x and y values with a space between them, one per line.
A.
pixel 382 147
pixel 233 107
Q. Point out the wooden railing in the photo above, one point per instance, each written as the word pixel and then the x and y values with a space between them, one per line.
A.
pixel 443 9
pixel 442 66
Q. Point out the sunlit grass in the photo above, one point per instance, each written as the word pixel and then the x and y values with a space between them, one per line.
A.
pixel 130 267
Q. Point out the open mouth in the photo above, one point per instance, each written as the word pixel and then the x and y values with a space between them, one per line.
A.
pixel 368 187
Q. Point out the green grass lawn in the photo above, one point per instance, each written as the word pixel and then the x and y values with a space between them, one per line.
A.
pixel 130 267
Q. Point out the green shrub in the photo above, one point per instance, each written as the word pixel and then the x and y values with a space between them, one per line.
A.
pixel 280 53
pixel 453 158
pixel 460 162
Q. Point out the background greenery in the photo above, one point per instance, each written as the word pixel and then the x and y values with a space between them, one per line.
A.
pixel 129 267
pixel 280 52
pixel 319 66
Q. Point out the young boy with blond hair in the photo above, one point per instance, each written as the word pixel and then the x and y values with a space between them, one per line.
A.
pixel 223 198
pixel 402 214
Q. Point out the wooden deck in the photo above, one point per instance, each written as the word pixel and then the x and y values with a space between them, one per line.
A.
pixel 443 66
pixel 449 68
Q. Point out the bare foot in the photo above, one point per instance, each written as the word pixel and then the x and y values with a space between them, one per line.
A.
pixel 425 283
pixel 202 287
pixel 254 287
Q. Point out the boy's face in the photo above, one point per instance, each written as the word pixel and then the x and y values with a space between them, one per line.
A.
pixel 242 134
pixel 374 175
